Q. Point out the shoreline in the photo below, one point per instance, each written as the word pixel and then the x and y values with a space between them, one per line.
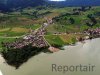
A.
pixel 81 41
pixel 52 49
pixel 3 60
pixel 42 56
pixel 81 51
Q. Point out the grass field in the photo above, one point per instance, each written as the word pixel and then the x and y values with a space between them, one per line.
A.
pixel 63 24
pixel 54 40
pixel 18 31
pixel 19 23
pixel 61 40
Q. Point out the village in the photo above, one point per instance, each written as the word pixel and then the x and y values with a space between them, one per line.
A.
pixel 35 38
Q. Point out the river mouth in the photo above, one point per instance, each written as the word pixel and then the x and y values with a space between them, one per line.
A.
pixel 82 53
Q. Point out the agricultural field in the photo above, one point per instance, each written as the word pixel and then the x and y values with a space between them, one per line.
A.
pixel 75 21
pixel 30 31
pixel 66 21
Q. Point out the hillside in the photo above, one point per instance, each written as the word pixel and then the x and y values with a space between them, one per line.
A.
pixel 28 32
pixel 8 5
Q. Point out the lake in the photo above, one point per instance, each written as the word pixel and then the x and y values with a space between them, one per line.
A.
pixel 82 53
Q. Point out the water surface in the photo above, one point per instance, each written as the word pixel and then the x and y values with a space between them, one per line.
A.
pixel 87 53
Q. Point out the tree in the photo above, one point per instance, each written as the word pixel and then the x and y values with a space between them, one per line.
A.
pixel 72 21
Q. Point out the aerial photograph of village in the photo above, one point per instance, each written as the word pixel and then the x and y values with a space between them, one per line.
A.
pixel 49 37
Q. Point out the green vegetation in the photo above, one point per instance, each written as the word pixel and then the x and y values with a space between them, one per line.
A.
pixel 76 20
pixel 15 57
pixel 4 39
pixel 18 31
pixel 54 40
pixel 67 21
pixel 61 40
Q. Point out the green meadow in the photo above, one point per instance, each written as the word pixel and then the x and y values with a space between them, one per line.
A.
pixel 65 20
